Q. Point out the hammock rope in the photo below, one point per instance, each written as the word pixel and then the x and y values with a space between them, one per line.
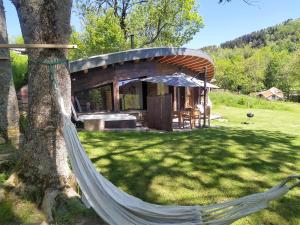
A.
pixel 119 208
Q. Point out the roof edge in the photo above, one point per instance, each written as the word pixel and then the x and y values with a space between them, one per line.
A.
pixel 134 54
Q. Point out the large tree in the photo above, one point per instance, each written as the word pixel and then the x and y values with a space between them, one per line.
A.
pixel 101 34
pixel 153 22
pixel 121 8
pixel 164 22
pixel 9 112
pixel 44 163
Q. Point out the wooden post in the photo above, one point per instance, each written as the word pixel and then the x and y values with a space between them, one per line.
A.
pixel 48 46
pixel 205 95
pixel 132 41
pixel 116 95
pixel 175 99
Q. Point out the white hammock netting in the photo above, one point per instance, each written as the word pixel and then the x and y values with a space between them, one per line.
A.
pixel 119 208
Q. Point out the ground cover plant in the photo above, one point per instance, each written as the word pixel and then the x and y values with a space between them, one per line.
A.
pixel 208 165
pixel 247 102
pixel 16 207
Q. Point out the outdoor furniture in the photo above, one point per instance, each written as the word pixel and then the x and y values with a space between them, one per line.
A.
pixel 111 120
pixel 179 80
pixel 177 115
pixel 207 114
pixel 187 115
pixel 196 116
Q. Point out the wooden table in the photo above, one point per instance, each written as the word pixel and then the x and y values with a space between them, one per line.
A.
pixel 181 113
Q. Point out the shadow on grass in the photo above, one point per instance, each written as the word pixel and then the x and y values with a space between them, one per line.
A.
pixel 69 211
pixel 228 162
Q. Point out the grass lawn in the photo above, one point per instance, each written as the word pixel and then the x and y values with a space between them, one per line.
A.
pixel 14 209
pixel 18 209
pixel 208 165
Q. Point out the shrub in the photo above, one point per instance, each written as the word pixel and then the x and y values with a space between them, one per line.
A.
pixel 244 101
pixel 19 69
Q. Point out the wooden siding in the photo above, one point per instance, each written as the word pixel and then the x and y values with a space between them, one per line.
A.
pixel 160 112
pixel 129 70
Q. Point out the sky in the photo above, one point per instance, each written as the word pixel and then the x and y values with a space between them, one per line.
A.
pixel 222 22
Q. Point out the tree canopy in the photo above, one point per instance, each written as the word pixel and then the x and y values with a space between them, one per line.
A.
pixel 101 34
pixel 107 24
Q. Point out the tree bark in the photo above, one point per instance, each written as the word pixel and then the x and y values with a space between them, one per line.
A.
pixel 44 162
pixel 9 111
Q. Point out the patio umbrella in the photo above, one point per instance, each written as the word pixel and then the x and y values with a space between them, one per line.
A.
pixel 124 82
pixel 178 80
pixel 201 83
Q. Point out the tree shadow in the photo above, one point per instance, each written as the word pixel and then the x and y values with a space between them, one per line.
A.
pixel 218 164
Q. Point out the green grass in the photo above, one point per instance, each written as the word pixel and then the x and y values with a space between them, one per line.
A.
pixel 69 211
pixel 207 166
pixel 14 209
pixel 245 101
pixel 3 177
pixel 19 209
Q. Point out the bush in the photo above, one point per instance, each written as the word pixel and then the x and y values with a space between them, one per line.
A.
pixel 19 69
pixel 244 101
pixel 3 177
pixel 6 213
pixel 23 122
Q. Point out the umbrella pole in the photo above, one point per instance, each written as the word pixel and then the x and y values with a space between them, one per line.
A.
pixel 205 95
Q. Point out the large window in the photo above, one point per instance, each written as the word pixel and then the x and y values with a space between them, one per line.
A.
pixel 96 99
pixel 131 94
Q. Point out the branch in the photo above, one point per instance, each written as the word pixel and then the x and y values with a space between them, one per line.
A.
pixel 136 3
pixel 248 2
pixel 159 29
pixel 16 3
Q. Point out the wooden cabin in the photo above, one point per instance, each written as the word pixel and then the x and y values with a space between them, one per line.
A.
pixel 272 94
pixel 111 83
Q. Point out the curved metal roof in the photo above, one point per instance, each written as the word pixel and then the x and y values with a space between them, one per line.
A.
pixel 192 59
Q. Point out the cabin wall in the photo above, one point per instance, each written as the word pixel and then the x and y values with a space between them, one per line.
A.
pixel 129 70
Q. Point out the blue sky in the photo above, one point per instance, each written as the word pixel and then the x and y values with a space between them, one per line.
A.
pixel 222 21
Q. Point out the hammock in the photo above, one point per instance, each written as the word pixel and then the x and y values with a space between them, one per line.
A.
pixel 119 208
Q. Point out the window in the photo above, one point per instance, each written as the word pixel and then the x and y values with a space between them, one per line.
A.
pixel 96 99
pixel 131 95
pixel 162 89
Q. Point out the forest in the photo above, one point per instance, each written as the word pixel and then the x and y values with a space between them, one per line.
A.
pixel 260 60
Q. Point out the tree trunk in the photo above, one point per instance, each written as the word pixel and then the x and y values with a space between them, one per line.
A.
pixel 44 162
pixel 9 111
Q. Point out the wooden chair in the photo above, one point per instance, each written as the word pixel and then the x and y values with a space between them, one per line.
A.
pixel 207 114
pixel 196 117
pixel 176 115
pixel 187 115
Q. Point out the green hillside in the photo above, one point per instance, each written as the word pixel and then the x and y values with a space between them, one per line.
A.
pixel 260 60
pixel 283 36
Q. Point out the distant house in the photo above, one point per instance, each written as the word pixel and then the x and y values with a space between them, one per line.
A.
pixel 272 94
